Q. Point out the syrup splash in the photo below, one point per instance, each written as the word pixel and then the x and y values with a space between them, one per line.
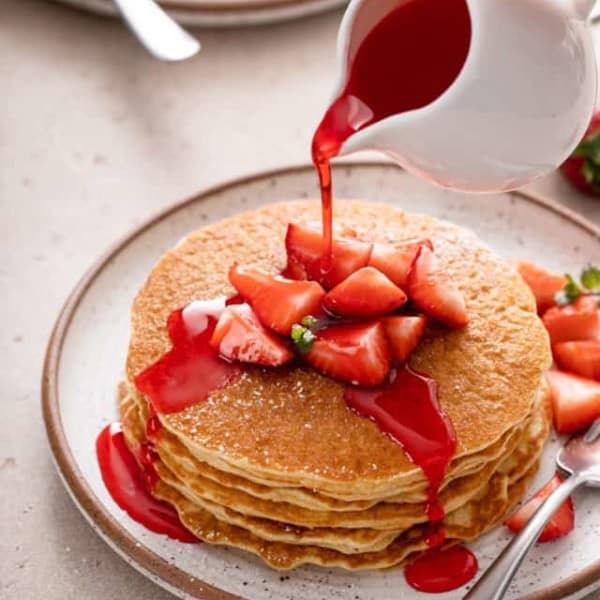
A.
pixel 130 485
pixel 408 60
pixel 192 369
pixel 408 410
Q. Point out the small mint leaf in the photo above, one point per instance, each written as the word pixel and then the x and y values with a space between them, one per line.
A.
pixel 309 322
pixel 303 338
pixel 306 342
pixel 297 332
pixel 569 293
pixel 590 278
pixel 589 148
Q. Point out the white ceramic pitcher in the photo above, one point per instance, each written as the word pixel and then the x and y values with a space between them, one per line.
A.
pixel 518 108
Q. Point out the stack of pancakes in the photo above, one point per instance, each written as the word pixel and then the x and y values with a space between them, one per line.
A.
pixel 278 465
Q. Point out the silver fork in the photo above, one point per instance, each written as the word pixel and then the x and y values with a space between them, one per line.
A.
pixel 580 457
pixel 157 31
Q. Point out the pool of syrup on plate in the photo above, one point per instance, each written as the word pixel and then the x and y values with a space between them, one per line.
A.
pixel 130 481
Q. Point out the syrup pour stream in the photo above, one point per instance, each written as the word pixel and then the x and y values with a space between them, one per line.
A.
pixel 407 61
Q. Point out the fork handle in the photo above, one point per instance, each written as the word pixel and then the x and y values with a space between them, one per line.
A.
pixel 495 581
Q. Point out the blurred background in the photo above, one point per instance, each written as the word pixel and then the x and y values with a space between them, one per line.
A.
pixel 95 137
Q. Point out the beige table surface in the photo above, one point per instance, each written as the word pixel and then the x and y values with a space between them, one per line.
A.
pixel 94 137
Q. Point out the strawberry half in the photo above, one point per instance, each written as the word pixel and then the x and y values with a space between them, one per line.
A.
pixel 543 284
pixel 577 321
pixel 575 400
pixel 396 260
pixel 357 354
pixel 366 293
pixel 304 248
pixel 581 358
pixel 559 525
pixel 432 290
pixel 276 301
pixel 240 336
pixel 404 335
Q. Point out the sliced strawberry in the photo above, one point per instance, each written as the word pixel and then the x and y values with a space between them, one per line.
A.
pixel 559 525
pixel 543 284
pixel 581 358
pixel 577 321
pixel 575 400
pixel 396 260
pixel 358 354
pixel 295 271
pixel 305 249
pixel 277 302
pixel 404 335
pixel 240 336
pixel 432 290
pixel 366 293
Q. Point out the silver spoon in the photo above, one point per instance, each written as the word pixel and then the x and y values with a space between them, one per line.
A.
pixel 157 31
pixel 581 458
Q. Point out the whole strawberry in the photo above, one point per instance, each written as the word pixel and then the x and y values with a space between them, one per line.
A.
pixel 582 168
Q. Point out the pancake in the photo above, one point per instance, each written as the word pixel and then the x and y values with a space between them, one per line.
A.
pixel 278 465
pixel 496 497
pixel 393 514
pixel 470 522
pixel 513 465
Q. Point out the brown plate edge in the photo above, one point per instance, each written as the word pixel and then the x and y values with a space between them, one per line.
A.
pixel 123 542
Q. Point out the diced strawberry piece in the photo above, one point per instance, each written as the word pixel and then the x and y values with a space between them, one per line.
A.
pixel 559 525
pixel 366 293
pixel 543 284
pixel 305 249
pixel 240 336
pixel 581 358
pixel 432 290
pixel 404 335
pixel 276 301
pixel 575 400
pixel 358 354
pixel 396 260
pixel 295 271
pixel 577 321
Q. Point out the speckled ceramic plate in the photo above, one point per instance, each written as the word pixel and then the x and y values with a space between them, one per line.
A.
pixel 224 13
pixel 87 352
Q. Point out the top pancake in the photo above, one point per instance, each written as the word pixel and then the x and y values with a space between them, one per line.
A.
pixel 292 425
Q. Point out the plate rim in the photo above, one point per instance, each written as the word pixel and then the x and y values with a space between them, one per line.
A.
pixel 210 13
pixel 118 538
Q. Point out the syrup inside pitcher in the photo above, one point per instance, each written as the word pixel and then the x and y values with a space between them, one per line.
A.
pixel 480 95
pixel 394 70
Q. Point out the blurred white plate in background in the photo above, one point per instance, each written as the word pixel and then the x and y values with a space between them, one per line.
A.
pixel 224 13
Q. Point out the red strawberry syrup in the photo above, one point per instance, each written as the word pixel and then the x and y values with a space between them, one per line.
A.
pixel 184 376
pixel 191 370
pixel 130 485
pixel 408 410
pixel 408 60
pixel 442 570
